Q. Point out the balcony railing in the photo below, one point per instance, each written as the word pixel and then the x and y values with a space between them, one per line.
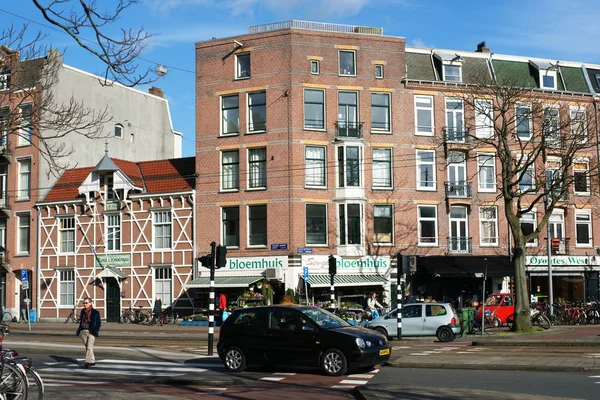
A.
pixel 348 129
pixel 458 189
pixel 454 135
pixel 559 246
pixel 460 244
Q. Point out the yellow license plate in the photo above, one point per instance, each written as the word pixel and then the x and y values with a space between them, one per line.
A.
pixel 384 352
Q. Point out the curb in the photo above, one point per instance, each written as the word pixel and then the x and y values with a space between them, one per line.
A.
pixel 107 335
pixel 165 381
pixel 534 343
pixel 493 367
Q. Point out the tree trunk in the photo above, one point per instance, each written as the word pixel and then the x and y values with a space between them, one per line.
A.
pixel 522 321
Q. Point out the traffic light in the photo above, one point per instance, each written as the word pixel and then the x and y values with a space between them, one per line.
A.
pixel 221 259
pixel 205 260
pixel 332 265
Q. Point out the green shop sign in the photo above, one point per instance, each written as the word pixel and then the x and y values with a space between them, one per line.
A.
pixel 122 260
pixel 557 260
pixel 256 263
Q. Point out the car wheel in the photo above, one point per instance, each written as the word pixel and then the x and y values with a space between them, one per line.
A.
pixel 234 360
pixel 383 331
pixel 445 334
pixel 334 363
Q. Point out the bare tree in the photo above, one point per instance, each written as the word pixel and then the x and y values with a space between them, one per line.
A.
pixel 545 151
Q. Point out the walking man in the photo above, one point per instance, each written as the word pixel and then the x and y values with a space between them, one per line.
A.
pixel 89 326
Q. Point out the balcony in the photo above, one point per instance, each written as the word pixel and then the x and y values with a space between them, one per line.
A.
pixel 455 136
pixel 559 246
pixel 458 190
pixel 346 129
pixel 460 244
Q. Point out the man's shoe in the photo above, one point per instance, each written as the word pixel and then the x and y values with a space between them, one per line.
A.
pixel 91 364
pixel 86 365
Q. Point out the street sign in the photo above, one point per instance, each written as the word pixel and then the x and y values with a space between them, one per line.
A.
pixel 280 246
pixel 304 250
pixel 305 271
pixel 24 279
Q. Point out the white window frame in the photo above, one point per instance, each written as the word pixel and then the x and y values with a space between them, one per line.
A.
pixel 484 118
pixel 66 229
pixel 361 219
pixel 576 169
pixel 223 229
pixel 389 113
pixel 162 219
pixel 25 125
pixel 554 135
pixel 24 179
pixel 249 122
pixel 389 168
pixel 531 173
pixel 456 120
pixel 445 75
pixel 235 174
pixel 487 161
pixel 546 72
pixel 556 224
pixel 315 67
pixel 340 62
pixel 66 288
pixel 427 219
pixel 418 172
pixel 119 131
pixel 111 229
pixel 391 233
pixel 326 225
pixel 23 227
pixel 249 225
pixel 313 170
pixel 3 185
pixel 257 169
pixel 526 106
pixel 238 74
pixel 530 217
pixel 578 115
pixel 5 79
pixel 323 108
pixel 587 221
pixel 423 99
pixel 222 111
pixel 484 218
pixel 166 278
pixel 378 71
pixel 4 128
pixel 344 166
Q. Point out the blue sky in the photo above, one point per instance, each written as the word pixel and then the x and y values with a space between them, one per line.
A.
pixel 554 29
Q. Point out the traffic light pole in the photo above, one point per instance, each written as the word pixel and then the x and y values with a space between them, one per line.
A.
pixel 211 299
pixel 399 268
pixel 332 272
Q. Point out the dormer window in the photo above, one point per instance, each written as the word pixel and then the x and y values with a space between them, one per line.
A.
pixel 452 73
pixel 242 66
pixel 547 74
pixel 597 76
pixel 451 66
pixel 347 63
pixel 119 131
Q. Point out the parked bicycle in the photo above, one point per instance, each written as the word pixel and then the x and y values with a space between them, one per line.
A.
pixel 167 316
pixel 537 316
pixel 6 317
pixel 490 324
pixel 136 316
pixel 73 316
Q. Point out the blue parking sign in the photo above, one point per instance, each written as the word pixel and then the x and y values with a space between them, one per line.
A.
pixel 305 273
pixel 24 277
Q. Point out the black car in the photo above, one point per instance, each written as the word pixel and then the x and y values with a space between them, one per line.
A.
pixel 298 335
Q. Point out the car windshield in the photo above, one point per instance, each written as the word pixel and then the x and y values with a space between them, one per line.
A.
pixel 493 300
pixel 324 318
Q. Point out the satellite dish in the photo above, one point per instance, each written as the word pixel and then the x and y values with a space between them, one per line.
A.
pixel 160 70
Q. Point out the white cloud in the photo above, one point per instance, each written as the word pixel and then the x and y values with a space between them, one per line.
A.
pixel 420 43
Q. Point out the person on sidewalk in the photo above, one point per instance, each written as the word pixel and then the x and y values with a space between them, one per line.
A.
pixel 157 311
pixel 373 305
pixel 89 327
pixel 24 307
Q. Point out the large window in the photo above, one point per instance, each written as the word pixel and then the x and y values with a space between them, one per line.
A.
pixel 426 169
pixel 380 112
pixel 230 120
pixel 523 121
pixel 527 179
pixel 383 223
pixel 583 228
pixel 113 232
pixel 350 224
pixel 488 226
pixel 347 63
pixel 528 224
pixel 579 125
pixel 24 178
pixel 427 221
pixel 347 124
pixel 26 125
pixel 581 176
pixel 67 287
pixel 486 164
pixel 551 126
pixel 257 168
pixel 162 229
pixel 23 233
pixel 4 122
pixel 454 120
pixel 231 226
pixel 3 185
pixel 484 117
pixel 316 224
pixel 314 159
pixel 314 109
pixel 242 66
pixel 67 234
pixel 257 225
pixel 424 115
pixel 382 168
pixel 257 111
pixel 452 73
pixel 163 285
pixel 348 164
pixel 230 170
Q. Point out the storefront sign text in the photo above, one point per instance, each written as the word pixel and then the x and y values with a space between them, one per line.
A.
pixel 370 262
pixel 124 260
pixel 557 260
pixel 256 263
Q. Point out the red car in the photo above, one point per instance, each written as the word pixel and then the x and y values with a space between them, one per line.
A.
pixel 501 304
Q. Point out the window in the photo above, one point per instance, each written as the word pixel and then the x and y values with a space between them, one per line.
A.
pixel 459 240
pixel 23 233
pixel 454 120
pixel 435 310
pixel 24 178
pixel 380 112
pixel 547 79
pixel 230 114
pixel 581 176
pixel 230 170
pixel 314 67
pixel 231 226
pixel 484 118
pixel 3 186
pixel 424 115
pixel 67 234
pixel 257 225
pixel 316 224
pixel 162 229
pixel 579 125
pixel 427 221
pixel 412 311
pixel 425 169
pixel 163 285
pixel 257 168
pixel 119 130
pixel 551 126
pixel 4 125
pixel 523 121
pixel 379 71
pixel 315 166
pixel 487 172
pixel 243 66
pixel 349 159
pixel 347 63
pixel 488 226
pixel 26 125
pixel 113 232
pixel 452 73
pixel 314 109
pixel 528 224
pixel 527 179
pixel 382 168
pixel 350 224
pixel 556 225
pixel 347 124
pixel 583 228
pixel 5 79
pixel 257 111
pixel 107 182
pixel 383 223
pixel 553 175
pixel 3 232
pixel 597 79
pixel 67 287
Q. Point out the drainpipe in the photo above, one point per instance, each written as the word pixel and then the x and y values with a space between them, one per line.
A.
pixel 194 237
pixel 596 101
pixel 38 272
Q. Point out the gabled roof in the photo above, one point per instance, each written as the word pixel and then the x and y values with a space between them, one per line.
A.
pixel 156 176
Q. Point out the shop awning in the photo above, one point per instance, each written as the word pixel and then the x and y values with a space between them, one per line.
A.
pixel 112 272
pixel 224 281
pixel 323 280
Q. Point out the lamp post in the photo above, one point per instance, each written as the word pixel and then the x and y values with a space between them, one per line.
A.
pixel 549 251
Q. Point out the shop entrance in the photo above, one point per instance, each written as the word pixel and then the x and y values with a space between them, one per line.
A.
pixel 113 300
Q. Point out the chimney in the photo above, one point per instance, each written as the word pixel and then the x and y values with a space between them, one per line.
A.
pixel 481 48
pixel 156 91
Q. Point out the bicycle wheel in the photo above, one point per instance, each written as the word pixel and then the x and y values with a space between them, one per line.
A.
pixel 542 321
pixel 7 318
pixel 144 317
pixel 126 317
pixel 13 382
pixel 492 326
pixel 35 386
pixel 510 320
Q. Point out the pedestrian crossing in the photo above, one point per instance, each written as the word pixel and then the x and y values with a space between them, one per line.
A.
pixel 345 382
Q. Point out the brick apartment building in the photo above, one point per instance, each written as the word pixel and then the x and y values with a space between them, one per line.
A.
pixel 315 139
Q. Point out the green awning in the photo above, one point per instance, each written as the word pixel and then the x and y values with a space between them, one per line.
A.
pixel 323 280
pixel 224 281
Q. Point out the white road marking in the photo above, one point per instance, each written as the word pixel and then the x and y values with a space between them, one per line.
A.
pixel 285 373
pixel 353 382
pixel 108 372
pixel 272 378
pixel 419 354
pixel 342 387
pixel 367 376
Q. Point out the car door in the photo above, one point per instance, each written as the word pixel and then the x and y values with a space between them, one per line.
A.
pixel 412 319
pixel 286 340
pixel 248 332
pixel 436 315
